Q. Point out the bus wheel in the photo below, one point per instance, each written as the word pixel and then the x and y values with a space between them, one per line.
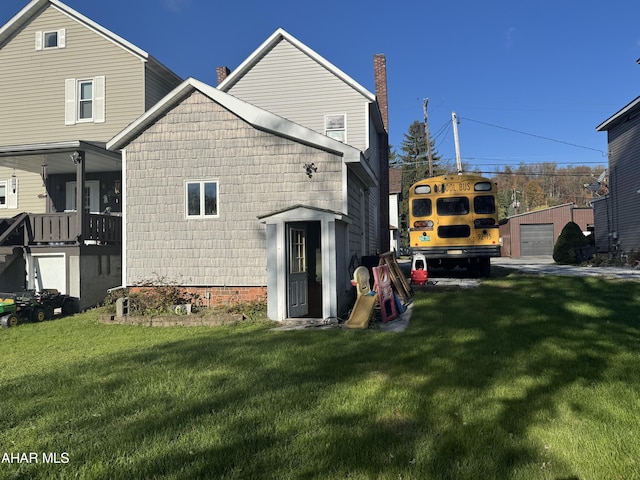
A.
pixel 485 267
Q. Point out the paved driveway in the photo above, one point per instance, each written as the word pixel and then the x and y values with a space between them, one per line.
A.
pixel 546 266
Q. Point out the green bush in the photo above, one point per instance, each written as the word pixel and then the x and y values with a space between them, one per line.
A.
pixel 153 297
pixel 570 239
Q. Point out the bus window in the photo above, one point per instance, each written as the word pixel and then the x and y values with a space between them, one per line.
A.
pixel 453 206
pixel 454 231
pixel 484 204
pixel 421 207
pixel 482 187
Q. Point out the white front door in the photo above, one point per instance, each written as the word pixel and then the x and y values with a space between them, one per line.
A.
pixel 298 280
pixel 91 196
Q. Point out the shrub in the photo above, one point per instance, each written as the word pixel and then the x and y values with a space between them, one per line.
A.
pixel 153 297
pixel 570 239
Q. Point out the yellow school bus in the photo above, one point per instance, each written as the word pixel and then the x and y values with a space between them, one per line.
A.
pixel 453 222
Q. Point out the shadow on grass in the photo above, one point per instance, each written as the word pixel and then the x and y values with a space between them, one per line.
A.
pixel 455 396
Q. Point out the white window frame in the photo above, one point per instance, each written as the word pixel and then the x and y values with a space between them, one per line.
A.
pixel 201 191
pixel 83 101
pixel 72 88
pixel 61 39
pixel 333 131
pixel 4 184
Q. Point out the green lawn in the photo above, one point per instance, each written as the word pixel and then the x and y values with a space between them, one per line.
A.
pixel 524 377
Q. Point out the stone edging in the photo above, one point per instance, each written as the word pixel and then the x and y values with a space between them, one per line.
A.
pixel 173 320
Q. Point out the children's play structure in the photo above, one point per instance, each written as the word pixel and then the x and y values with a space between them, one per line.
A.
pixel 387 275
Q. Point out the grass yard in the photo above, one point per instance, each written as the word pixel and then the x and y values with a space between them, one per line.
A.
pixel 524 377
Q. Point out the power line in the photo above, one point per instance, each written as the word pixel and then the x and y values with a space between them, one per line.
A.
pixel 604 154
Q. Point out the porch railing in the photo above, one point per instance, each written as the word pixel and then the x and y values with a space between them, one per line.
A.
pixel 61 228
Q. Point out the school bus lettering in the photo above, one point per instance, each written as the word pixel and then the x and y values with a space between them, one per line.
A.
pixel 457 187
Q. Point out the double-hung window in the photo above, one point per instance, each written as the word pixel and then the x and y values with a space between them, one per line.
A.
pixel 85 100
pixel 201 198
pixel 335 126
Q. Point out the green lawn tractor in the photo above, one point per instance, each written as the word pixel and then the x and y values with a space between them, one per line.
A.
pixel 31 306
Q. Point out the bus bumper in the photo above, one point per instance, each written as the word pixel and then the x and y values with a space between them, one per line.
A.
pixel 458 252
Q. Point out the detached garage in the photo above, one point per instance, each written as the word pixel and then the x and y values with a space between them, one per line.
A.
pixel 535 233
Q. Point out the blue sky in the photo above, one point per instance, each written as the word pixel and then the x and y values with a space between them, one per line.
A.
pixel 519 75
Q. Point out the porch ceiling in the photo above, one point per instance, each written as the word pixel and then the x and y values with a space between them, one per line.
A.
pixel 57 157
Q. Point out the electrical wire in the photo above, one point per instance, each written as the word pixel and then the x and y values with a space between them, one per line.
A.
pixel 604 154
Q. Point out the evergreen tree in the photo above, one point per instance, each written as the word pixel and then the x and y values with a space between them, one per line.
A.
pixel 415 165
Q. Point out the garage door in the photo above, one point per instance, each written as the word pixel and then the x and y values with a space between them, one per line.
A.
pixel 50 272
pixel 536 239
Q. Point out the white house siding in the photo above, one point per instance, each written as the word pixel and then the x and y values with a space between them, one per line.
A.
pixel 289 83
pixel 31 192
pixel 258 173
pixel 32 83
pixel 624 179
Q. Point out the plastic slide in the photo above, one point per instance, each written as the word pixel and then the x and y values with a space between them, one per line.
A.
pixel 362 312
pixel 365 301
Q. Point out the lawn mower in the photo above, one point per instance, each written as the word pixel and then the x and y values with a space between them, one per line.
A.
pixel 32 306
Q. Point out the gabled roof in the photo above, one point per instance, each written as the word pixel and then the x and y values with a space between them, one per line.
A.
pixel 260 119
pixel 35 7
pixel 619 116
pixel 278 36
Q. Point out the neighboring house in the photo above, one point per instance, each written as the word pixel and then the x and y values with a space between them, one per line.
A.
pixel 285 77
pixel 67 85
pixel 535 233
pixel 617 215
pixel 235 202
pixel 395 197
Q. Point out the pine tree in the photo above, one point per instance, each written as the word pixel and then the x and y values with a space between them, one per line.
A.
pixel 415 163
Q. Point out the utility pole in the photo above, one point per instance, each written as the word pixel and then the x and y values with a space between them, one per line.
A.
pixel 426 133
pixel 454 120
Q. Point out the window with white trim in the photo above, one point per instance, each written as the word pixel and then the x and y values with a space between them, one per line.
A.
pixel 85 100
pixel 335 126
pixel 3 194
pixel 201 199
pixel 46 40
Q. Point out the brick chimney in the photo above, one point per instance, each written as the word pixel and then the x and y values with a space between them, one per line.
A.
pixel 222 73
pixel 380 77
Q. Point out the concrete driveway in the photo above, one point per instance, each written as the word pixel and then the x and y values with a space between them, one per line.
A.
pixel 546 266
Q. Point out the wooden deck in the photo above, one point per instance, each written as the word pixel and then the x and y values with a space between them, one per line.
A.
pixel 61 229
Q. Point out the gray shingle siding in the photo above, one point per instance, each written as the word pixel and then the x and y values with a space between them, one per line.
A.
pixel 258 173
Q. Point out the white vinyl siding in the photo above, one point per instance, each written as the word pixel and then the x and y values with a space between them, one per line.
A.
pixel 29 193
pixel 285 76
pixel 28 86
